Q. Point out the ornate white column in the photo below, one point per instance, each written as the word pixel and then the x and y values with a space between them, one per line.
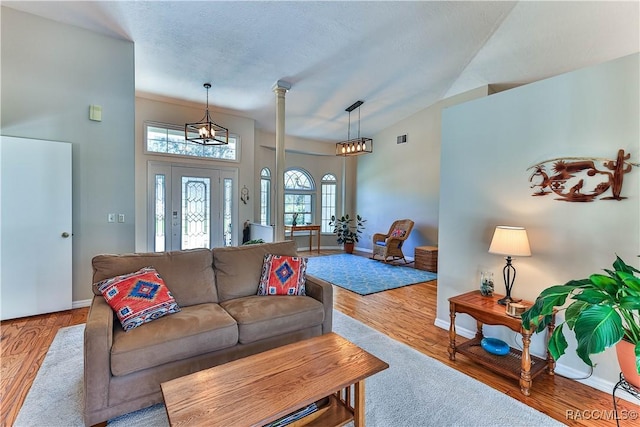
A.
pixel 280 88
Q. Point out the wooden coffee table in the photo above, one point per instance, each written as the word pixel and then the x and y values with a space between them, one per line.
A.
pixel 264 387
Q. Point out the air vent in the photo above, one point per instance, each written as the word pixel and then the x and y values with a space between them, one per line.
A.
pixel 402 139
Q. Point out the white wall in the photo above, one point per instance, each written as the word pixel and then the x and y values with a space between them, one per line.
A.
pixel 401 181
pixel 51 73
pixel 487 146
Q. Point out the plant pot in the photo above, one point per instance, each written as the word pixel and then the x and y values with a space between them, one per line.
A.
pixel 348 247
pixel 627 360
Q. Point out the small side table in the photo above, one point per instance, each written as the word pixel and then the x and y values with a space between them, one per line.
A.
pixel 624 385
pixel 426 258
pixel 308 227
pixel 517 364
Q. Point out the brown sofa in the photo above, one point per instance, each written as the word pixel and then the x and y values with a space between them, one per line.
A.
pixel 221 319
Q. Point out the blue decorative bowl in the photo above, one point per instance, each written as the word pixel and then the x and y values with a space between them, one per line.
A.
pixel 495 346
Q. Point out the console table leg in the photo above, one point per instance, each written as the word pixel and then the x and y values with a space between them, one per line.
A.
pixel 551 363
pixel 479 332
pixel 525 371
pixel 452 332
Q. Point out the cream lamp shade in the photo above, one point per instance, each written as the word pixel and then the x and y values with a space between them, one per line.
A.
pixel 511 241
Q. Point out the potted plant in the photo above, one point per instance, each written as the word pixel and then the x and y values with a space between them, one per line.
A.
pixel 605 311
pixel 347 232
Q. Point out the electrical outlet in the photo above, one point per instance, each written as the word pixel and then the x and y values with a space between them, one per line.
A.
pixel 111 217
pixel 120 217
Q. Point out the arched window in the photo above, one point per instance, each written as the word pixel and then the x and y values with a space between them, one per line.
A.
pixel 328 203
pixel 299 191
pixel 265 196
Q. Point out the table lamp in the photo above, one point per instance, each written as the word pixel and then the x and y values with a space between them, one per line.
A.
pixel 509 241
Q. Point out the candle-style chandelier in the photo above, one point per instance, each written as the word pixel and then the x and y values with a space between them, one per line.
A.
pixel 205 132
pixel 356 146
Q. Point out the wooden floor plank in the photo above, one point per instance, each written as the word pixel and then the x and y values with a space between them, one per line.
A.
pixel 406 314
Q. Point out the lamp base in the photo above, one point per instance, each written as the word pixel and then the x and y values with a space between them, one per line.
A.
pixel 507 299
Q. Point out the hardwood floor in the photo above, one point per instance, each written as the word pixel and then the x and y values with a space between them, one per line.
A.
pixel 406 314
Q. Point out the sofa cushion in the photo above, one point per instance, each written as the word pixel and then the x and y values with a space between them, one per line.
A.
pixel 138 298
pixel 259 317
pixel 283 275
pixel 195 330
pixel 188 274
pixel 238 268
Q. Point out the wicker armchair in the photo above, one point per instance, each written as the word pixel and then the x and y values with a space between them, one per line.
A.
pixel 389 246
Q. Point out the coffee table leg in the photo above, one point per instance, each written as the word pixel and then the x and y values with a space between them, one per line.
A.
pixel 358 408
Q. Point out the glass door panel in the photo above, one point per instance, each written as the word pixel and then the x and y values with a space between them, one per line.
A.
pixel 195 214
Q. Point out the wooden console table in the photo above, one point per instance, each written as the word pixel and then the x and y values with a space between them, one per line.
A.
pixel 310 228
pixel 486 310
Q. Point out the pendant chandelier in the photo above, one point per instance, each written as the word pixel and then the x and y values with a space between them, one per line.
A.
pixel 356 146
pixel 206 132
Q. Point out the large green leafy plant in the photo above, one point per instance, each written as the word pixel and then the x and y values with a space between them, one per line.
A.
pixel 605 310
pixel 346 230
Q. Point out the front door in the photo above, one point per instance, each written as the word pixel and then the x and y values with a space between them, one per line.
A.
pixel 190 207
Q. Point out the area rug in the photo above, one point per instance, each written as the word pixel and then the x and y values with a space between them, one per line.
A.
pixel 364 276
pixel 415 391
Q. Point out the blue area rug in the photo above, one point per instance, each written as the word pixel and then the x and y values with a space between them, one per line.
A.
pixel 364 276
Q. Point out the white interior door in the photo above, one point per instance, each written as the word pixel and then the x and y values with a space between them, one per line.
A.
pixel 35 227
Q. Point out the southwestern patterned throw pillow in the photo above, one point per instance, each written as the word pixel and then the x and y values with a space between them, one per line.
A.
pixel 138 297
pixel 283 275
pixel 397 233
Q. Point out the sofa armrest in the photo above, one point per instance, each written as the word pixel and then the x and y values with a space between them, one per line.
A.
pixel 98 339
pixel 322 291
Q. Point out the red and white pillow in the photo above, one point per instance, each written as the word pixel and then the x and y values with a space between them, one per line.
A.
pixel 283 275
pixel 397 233
pixel 138 298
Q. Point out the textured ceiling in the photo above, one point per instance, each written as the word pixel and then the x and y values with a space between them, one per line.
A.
pixel 399 57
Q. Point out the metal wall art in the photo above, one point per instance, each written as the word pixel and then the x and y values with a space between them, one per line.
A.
pixel 581 179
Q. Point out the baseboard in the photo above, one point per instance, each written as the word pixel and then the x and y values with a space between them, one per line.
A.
pixel 81 303
pixel 561 369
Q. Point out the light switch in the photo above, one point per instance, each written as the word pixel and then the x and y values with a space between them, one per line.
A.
pixel 120 217
pixel 111 217
pixel 95 113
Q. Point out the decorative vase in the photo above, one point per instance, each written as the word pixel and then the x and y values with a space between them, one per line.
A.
pixel 627 360
pixel 348 247
pixel 486 283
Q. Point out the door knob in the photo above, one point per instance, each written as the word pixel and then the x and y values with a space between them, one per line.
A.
pixel 65 235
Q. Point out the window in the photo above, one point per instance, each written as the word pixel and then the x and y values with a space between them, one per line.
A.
pixel 265 196
pixel 168 139
pixel 298 196
pixel 328 206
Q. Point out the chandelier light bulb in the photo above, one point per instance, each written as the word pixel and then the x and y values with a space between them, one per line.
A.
pixel 344 150
pixel 364 145
pixel 359 148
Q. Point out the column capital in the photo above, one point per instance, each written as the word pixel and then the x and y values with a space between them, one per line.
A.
pixel 281 86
